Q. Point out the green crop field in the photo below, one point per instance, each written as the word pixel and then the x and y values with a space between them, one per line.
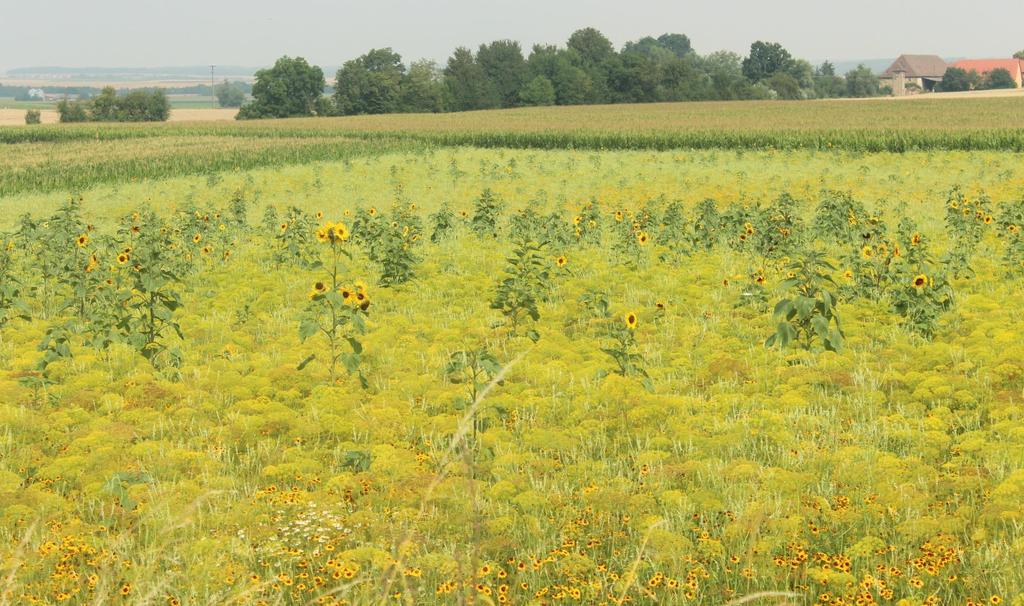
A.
pixel 675 354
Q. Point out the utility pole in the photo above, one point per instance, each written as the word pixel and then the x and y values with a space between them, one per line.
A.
pixel 213 92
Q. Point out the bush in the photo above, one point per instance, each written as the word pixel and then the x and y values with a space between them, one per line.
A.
pixel 999 78
pixel 33 116
pixel 956 79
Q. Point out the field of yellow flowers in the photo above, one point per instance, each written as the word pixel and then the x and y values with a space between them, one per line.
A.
pixel 464 376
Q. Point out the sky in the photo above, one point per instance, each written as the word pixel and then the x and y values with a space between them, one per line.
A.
pixel 153 33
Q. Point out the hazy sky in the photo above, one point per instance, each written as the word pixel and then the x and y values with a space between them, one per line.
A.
pixel 134 33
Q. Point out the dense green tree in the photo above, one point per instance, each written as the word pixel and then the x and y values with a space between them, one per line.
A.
pixel 683 79
pixel 862 82
pixel 956 79
pixel 72 111
pixel 784 85
pixel 999 78
pixel 370 84
pixel 593 52
pixel 229 94
pixel 766 59
pixel 103 107
pixel 725 73
pixel 422 88
pixel 539 91
pixel 503 63
pixel 560 67
pixel 467 84
pixel 633 79
pixel 594 48
pixel 678 44
pixel 1019 55
pixel 291 88
pixel 826 83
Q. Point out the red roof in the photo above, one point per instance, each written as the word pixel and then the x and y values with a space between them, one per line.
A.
pixel 983 66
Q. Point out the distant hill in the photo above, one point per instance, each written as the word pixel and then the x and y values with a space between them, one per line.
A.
pixel 128 74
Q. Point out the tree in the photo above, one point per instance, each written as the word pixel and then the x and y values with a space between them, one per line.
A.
pixel 103 107
pixel 861 82
pixel 539 91
pixel 784 85
pixel 633 79
pixel 572 85
pixel 725 73
pixel 957 79
pixel 826 83
pixel 370 84
pixel 72 111
pixel 678 44
pixel 766 59
pixel 999 78
pixel 503 63
pixel 291 88
pixel 1019 55
pixel 467 83
pixel 33 116
pixel 594 48
pixel 422 89
pixel 683 79
pixel 229 94
pixel 592 52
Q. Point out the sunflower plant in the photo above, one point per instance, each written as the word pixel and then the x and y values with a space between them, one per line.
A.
pixel 623 348
pixel 12 303
pixel 391 245
pixel 336 312
pixel 474 368
pixel 486 212
pixel 526 283
pixel 442 223
pixel 838 218
pixel 967 221
pixel 149 297
pixel 807 312
pixel 921 301
pixel 294 239
pixel 1011 224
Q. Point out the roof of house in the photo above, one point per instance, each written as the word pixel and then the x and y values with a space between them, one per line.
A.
pixel 983 66
pixel 918 66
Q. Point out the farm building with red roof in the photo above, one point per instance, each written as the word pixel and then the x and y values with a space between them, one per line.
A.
pixel 984 66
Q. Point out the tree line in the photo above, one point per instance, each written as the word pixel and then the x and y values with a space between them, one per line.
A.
pixel 587 70
pixel 135 106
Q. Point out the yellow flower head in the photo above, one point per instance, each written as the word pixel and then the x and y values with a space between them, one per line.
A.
pixel 561 261
pixel 82 240
pixel 340 232
pixel 631 320
pixel 920 281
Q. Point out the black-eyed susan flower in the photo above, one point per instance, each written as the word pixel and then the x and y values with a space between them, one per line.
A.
pixel 82 240
pixel 920 281
pixel 642 238
pixel 561 261
pixel 631 320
